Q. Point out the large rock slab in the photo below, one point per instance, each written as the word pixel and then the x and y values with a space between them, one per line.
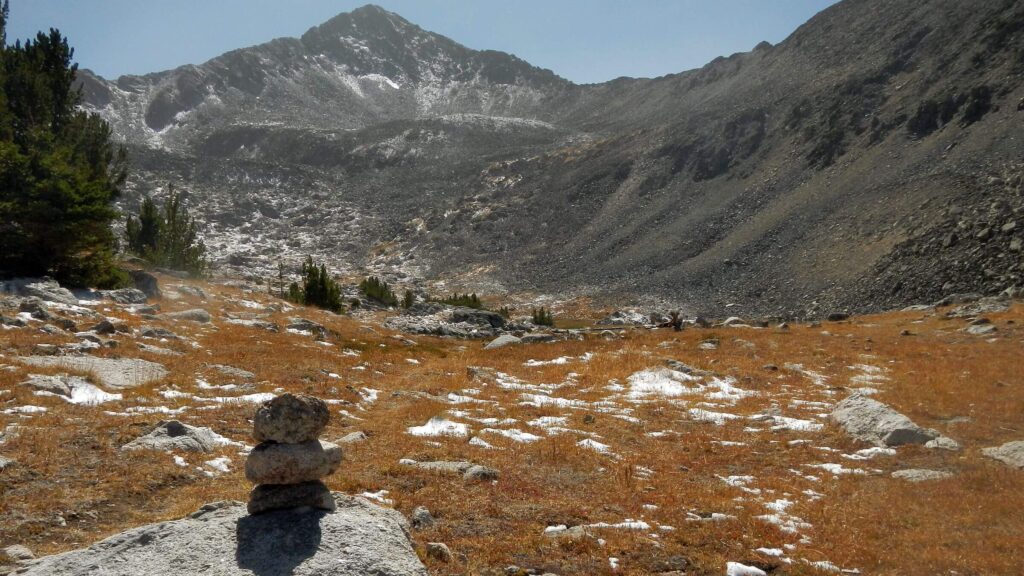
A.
pixel 174 435
pixel 1011 453
pixel 502 341
pixel 871 421
pixel 290 419
pixel 221 539
pixel 49 291
pixel 273 463
pixel 117 373
pixel 197 315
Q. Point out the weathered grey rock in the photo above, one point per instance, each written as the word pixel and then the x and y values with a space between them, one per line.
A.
pixel 193 291
pixel 502 341
pixel 290 419
pixel 1011 453
pixel 233 372
pixel 126 296
pixel 480 473
pixel 304 325
pixel 421 518
pixel 49 291
pixel 117 373
pixel 980 307
pixel 358 538
pixel 151 332
pixel 943 443
pixel 104 326
pixel 624 318
pixel 921 475
pixel 441 467
pixel 36 307
pixel 871 421
pixel 478 317
pixel 353 438
pixel 19 553
pixel 6 463
pixel 571 534
pixel 267 497
pixel 439 551
pixel 981 329
pixel 540 338
pixel 273 463
pixel 175 435
pixel 146 282
pixel 195 315
pixel 60 385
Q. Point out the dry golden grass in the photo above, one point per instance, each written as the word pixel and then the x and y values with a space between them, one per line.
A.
pixel 970 388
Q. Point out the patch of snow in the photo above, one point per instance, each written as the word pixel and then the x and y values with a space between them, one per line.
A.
pixel 438 426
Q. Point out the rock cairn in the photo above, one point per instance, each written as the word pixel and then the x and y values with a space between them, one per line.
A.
pixel 288 464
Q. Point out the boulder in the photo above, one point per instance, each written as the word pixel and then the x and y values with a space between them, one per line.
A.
pixel 233 372
pixel 195 315
pixel 921 475
pixel 421 518
pixel 304 325
pixel 119 373
pixel 49 291
pixel 439 551
pixel 353 438
pixel 268 497
pixel 539 338
pixel 273 463
pixel 126 295
pixel 174 435
pixel 357 538
pixel 478 317
pixel 1011 454
pixel 468 470
pixel 145 282
pixel 873 422
pixel 290 419
pixel 502 341
pixel 479 473
pixel 624 318
pixel 19 553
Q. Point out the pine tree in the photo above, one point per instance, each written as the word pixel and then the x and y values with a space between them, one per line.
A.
pixel 409 299
pixel 168 236
pixel 317 289
pixel 377 289
pixel 59 169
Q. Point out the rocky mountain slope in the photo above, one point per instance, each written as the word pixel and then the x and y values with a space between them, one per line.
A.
pixel 788 180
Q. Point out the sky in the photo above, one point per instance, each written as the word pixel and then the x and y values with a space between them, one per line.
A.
pixel 582 40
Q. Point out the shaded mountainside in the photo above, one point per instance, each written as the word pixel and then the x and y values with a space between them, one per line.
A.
pixel 788 180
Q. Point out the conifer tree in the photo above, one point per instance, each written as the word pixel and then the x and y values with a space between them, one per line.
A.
pixel 59 169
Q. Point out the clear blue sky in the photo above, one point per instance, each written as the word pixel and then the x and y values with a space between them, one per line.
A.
pixel 582 40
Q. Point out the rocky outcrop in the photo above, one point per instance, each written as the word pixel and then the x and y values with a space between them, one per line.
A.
pixel 357 538
pixel 873 422
pixel 921 475
pixel 174 435
pixel 502 341
pixel 197 315
pixel 116 373
pixel 1011 454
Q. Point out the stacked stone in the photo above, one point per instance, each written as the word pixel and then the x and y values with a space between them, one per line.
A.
pixel 290 461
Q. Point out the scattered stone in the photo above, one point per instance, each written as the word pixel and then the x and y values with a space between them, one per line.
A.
pixel 981 329
pixel 871 421
pixel 126 295
pixel 19 553
pixel 268 497
pixel 421 518
pixel 233 372
pixel 624 318
pixel 194 291
pixel 195 315
pixel 353 438
pixel 273 463
pixel 303 325
pixel 502 341
pixel 1011 453
pixel 439 552
pixel 49 291
pixel 6 463
pixel 118 373
pixel 151 332
pixel 921 475
pixel 174 435
pixel 480 474
pixel 290 419
pixel 943 443
pixel 105 326
pixel 709 344
pixel 358 538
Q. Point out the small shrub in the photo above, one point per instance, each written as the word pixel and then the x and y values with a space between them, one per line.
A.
pixel 543 317
pixel 317 288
